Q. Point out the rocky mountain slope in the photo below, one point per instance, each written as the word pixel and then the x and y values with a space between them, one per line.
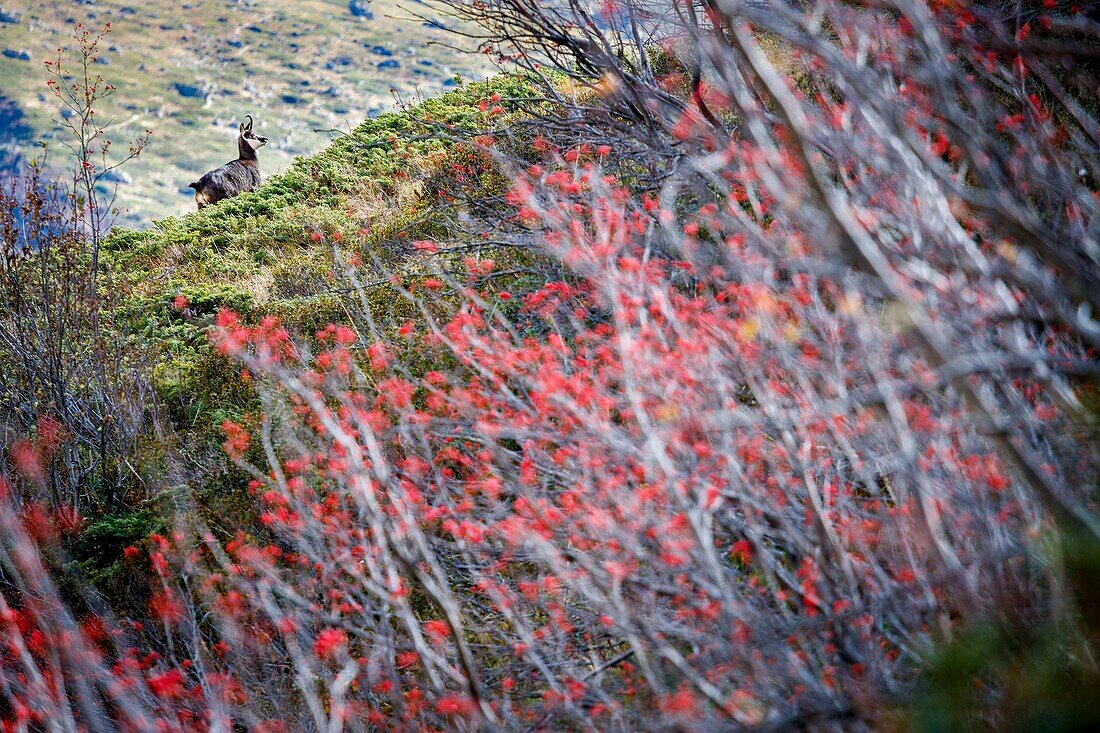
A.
pixel 189 71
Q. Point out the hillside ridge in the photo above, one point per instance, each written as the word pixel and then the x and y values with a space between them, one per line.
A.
pixel 270 251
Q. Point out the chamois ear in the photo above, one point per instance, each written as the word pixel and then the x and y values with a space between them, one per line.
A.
pixel 241 129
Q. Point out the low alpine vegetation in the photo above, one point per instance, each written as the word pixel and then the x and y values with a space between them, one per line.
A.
pixel 725 368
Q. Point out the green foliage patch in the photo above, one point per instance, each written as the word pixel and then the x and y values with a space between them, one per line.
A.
pixel 270 251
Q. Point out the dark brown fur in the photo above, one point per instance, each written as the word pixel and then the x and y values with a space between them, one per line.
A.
pixel 235 177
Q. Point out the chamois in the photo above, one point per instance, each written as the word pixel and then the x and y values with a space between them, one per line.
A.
pixel 237 176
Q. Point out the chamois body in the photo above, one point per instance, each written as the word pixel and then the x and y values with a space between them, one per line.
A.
pixel 236 176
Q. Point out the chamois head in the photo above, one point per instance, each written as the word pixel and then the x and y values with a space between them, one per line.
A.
pixel 249 142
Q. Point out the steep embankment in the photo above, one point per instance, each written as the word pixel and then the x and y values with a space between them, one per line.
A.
pixel 271 251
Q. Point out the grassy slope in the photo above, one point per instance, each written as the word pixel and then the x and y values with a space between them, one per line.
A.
pixel 296 66
pixel 254 253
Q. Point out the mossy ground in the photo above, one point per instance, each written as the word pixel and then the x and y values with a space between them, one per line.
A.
pixel 258 253
pixel 370 195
